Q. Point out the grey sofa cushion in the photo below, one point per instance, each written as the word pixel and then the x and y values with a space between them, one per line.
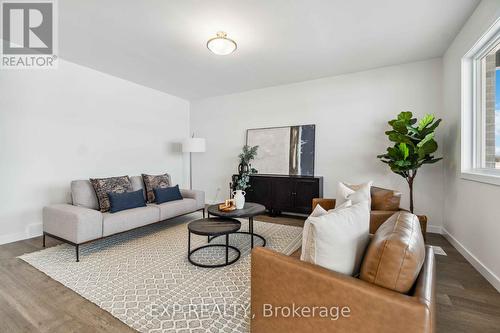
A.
pixel 175 208
pixel 83 194
pixel 129 219
pixel 138 184
pixel 199 196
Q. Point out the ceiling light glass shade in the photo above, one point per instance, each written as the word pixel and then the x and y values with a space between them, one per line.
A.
pixel 221 45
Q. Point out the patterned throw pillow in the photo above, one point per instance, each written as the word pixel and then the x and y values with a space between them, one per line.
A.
pixel 103 186
pixel 151 182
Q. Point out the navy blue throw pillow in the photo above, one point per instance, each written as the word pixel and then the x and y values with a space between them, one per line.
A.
pixel 126 200
pixel 167 194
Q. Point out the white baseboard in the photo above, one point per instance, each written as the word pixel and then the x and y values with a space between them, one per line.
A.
pixel 5 239
pixel 435 229
pixel 32 230
pixel 17 236
pixel 476 263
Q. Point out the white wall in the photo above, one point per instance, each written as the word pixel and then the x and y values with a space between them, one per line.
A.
pixel 76 123
pixel 472 210
pixel 350 112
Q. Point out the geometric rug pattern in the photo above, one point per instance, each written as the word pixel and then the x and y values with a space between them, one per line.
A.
pixel 144 279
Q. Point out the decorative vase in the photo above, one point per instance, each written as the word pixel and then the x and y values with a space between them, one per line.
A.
pixel 239 198
pixel 242 167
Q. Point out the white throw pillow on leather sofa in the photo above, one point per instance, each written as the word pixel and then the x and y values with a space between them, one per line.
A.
pixel 355 193
pixel 337 239
pixel 307 239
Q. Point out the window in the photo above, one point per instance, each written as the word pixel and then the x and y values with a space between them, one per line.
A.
pixel 489 101
pixel 481 109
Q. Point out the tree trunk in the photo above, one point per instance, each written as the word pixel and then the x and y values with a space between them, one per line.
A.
pixel 410 185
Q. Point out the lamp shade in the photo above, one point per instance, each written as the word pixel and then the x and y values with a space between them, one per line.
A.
pixel 193 145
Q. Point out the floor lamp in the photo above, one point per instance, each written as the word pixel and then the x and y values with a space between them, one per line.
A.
pixel 193 145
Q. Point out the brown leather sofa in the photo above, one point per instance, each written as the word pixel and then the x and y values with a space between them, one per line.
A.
pixel 384 203
pixel 395 291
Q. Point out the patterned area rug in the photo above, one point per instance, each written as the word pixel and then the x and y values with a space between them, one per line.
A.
pixel 144 279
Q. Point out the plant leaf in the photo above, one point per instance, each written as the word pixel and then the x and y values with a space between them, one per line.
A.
pixel 432 160
pixel 393 153
pixel 400 126
pixel 400 138
pixel 430 129
pixel 427 138
pixel 405 116
pixel 427 148
pixel 426 120
pixel 403 148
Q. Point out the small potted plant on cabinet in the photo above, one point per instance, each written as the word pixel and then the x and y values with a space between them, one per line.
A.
pixel 245 170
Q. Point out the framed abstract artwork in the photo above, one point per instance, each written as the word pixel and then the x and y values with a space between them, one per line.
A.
pixel 287 150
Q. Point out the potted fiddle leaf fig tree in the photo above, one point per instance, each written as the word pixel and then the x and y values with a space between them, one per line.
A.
pixel 413 146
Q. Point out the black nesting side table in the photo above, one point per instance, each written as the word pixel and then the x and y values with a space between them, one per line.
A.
pixel 213 227
pixel 250 210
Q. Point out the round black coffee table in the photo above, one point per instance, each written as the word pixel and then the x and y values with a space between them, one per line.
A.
pixel 248 211
pixel 214 227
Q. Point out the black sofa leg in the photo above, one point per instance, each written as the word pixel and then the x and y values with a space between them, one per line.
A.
pixel 43 239
pixel 77 252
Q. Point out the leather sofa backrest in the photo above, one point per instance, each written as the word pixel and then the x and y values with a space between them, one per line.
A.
pixel 383 199
pixel 83 193
pixel 396 253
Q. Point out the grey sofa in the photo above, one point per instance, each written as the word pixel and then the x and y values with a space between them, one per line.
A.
pixel 81 221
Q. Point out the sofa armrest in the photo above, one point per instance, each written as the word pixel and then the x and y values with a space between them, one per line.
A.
pixel 325 203
pixel 72 223
pixel 378 217
pixel 199 196
pixel 281 281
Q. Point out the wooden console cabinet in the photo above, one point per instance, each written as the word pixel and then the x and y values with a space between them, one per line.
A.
pixel 278 193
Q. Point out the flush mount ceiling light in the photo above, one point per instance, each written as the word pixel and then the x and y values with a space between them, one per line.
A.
pixel 221 45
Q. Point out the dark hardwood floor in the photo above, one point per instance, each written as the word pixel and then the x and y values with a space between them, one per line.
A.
pixel 32 302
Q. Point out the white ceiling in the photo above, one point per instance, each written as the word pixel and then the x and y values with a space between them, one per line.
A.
pixel 161 43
